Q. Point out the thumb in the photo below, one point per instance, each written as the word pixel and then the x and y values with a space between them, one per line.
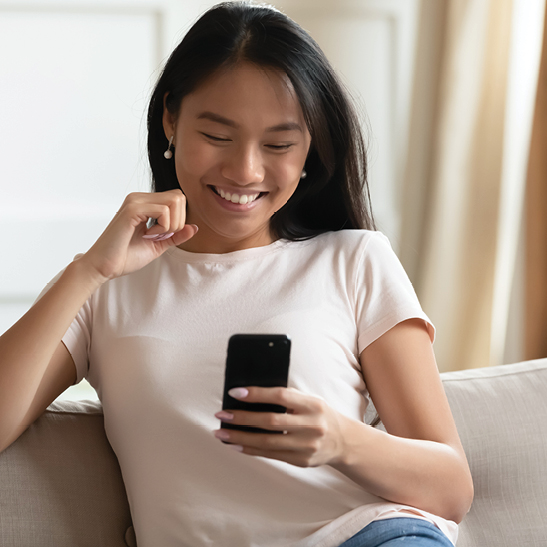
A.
pixel 189 231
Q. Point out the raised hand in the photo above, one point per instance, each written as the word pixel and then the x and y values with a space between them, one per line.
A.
pixel 127 245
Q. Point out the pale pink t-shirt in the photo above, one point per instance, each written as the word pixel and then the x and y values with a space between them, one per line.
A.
pixel 153 344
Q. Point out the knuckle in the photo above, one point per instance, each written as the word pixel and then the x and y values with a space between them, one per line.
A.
pixel 274 420
pixel 313 448
pixel 164 210
pixel 283 396
pixel 320 430
pixel 133 197
pixel 179 198
pixel 318 405
pixel 269 441
pixel 128 202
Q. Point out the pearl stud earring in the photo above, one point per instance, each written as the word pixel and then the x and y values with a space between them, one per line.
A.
pixel 304 174
pixel 168 154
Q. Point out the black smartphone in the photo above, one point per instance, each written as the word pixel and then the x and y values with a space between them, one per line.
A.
pixel 255 360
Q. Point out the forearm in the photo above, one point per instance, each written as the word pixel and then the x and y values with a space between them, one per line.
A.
pixel 424 474
pixel 28 346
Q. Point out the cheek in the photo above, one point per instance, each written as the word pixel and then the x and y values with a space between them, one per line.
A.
pixel 193 158
pixel 288 175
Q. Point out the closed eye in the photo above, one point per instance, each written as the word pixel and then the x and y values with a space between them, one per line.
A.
pixel 280 146
pixel 277 147
pixel 216 139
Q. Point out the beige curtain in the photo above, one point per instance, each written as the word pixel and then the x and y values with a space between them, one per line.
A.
pixel 464 273
pixel 536 224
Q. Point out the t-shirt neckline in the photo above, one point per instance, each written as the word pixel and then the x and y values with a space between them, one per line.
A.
pixel 234 256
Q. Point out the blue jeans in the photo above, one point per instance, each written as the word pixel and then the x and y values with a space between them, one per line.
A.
pixel 407 532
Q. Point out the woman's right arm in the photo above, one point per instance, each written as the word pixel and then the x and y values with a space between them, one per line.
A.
pixel 35 366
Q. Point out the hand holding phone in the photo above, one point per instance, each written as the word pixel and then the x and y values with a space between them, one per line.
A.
pixel 255 360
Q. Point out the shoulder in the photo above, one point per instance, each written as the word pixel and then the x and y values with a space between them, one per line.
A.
pixel 348 254
pixel 368 257
pixel 350 238
pixel 351 243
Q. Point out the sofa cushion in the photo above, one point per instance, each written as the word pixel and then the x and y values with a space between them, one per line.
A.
pixel 501 415
pixel 61 483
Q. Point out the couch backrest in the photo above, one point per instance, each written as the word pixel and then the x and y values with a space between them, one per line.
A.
pixel 501 414
pixel 60 483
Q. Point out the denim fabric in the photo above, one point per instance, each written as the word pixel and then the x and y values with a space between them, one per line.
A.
pixel 400 531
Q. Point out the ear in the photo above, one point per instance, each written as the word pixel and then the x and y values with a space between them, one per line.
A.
pixel 168 120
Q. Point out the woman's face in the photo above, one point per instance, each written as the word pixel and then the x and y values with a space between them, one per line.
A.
pixel 240 146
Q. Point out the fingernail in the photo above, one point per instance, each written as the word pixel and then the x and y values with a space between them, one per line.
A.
pixel 158 237
pixel 236 447
pixel 222 415
pixel 165 236
pixel 238 392
pixel 220 434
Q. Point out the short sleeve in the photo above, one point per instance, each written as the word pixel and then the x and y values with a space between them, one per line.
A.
pixel 384 294
pixel 78 336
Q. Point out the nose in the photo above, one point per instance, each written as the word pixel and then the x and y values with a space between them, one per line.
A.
pixel 245 165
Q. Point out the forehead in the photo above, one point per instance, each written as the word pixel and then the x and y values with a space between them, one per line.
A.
pixel 246 93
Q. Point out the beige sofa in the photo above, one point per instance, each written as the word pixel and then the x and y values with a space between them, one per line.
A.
pixel 60 483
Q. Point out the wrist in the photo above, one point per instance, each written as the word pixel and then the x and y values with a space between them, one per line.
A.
pixel 84 274
pixel 354 438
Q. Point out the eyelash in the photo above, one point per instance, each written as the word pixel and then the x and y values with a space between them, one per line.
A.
pixel 272 146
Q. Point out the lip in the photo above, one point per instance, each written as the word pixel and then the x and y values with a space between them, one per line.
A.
pixel 236 207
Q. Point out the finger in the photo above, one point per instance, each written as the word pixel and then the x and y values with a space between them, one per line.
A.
pixel 288 456
pixel 140 213
pixel 304 423
pixel 177 208
pixel 261 441
pixel 158 237
pixel 167 209
pixel 288 448
pixel 287 397
pixel 272 421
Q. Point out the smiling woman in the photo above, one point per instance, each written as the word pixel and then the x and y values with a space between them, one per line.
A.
pixel 262 225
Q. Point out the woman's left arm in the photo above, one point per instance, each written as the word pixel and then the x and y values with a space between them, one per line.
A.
pixel 419 461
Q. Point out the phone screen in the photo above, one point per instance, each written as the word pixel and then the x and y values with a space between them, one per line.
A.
pixel 255 360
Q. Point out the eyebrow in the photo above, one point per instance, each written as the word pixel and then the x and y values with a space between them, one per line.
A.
pixel 288 126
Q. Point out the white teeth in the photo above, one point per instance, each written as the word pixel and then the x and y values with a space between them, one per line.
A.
pixel 236 198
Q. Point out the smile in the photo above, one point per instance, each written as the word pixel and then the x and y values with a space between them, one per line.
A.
pixel 236 198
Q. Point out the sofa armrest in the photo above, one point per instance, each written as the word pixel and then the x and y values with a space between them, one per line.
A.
pixel 501 415
pixel 61 484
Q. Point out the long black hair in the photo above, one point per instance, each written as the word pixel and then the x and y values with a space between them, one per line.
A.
pixel 335 193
